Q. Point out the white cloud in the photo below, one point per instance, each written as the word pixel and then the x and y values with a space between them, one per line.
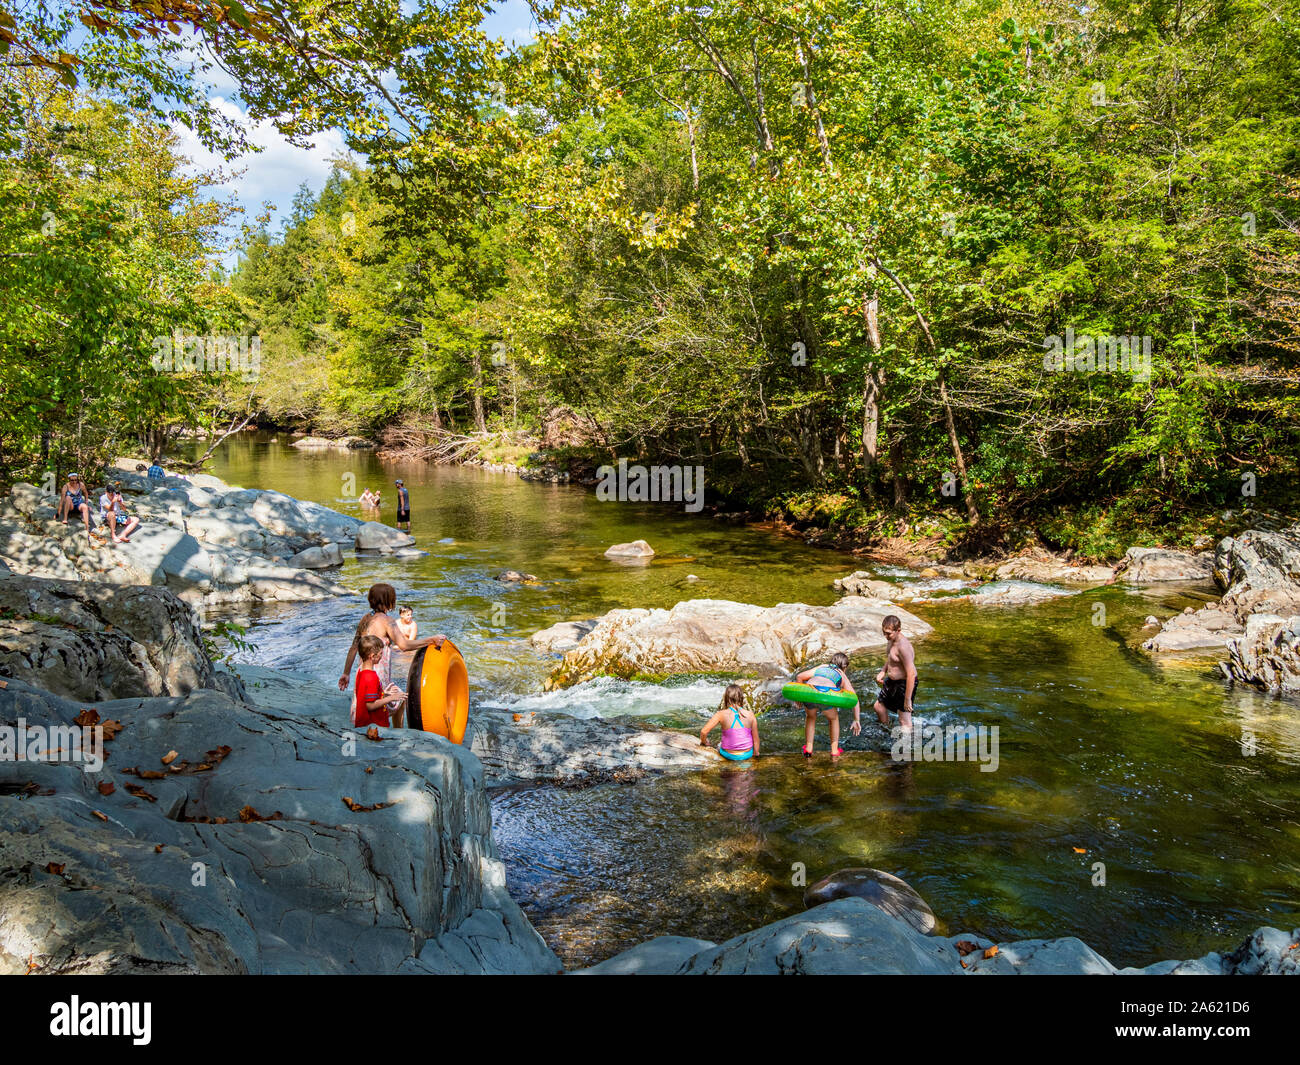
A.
pixel 272 174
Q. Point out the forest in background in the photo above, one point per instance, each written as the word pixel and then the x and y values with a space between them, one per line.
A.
pixel 821 249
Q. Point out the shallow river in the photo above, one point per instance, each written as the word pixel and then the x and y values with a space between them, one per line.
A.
pixel 1185 789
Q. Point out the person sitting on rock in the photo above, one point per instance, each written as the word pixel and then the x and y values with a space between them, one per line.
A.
pixel 406 623
pixel 739 741
pixel 833 677
pixel 75 499
pixel 370 706
pixel 112 510
pixel 155 471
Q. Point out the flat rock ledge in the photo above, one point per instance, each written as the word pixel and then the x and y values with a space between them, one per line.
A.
pixel 211 543
pixel 851 936
pixel 719 636
pixel 266 844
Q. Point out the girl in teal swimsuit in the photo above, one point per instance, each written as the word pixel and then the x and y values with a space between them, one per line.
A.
pixel 832 677
pixel 739 741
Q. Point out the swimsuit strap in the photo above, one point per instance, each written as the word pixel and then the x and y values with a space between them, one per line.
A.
pixel 736 721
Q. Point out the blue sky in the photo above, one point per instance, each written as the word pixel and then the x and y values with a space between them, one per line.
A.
pixel 276 172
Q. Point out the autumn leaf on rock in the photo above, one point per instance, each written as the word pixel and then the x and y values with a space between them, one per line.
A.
pixel 86 718
pixel 372 733
pixel 248 814
pixel 992 952
pixel 106 787
pixel 358 808
pixel 965 946
pixel 140 793
pixel 102 817
pixel 55 867
pixel 169 758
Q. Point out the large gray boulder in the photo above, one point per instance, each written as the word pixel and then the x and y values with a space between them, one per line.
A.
pixel 719 636
pixel 273 844
pixel 861 582
pixel 91 642
pixel 1155 565
pixel 375 536
pixel 1053 571
pixel 1267 655
pixel 562 636
pixel 884 890
pixel 1260 572
pixel 326 556
pixel 1196 633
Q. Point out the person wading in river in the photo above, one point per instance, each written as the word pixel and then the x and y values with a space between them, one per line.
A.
pixel 898 679
pixel 383 597
pixel 403 506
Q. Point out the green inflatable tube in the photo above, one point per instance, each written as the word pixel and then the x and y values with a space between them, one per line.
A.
pixel 806 693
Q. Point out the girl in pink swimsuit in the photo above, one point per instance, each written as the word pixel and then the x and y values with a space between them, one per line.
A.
pixel 739 740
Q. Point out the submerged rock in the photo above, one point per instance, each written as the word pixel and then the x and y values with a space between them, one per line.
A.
pixel 557 747
pixel 861 582
pixel 561 637
pixel 636 549
pixel 719 636
pixel 883 890
pixel 512 576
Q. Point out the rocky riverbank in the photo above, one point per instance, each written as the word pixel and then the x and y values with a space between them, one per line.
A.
pixel 851 936
pixel 210 542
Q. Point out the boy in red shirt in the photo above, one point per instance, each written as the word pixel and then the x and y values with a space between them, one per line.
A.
pixel 370 705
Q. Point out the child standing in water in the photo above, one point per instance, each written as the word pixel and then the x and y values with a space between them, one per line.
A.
pixel 829 678
pixel 406 623
pixel 371 703
pixel 739 727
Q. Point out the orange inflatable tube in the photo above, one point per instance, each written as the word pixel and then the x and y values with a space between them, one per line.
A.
pixel 438 692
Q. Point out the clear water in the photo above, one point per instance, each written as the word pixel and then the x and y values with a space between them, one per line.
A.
pixel 1141 767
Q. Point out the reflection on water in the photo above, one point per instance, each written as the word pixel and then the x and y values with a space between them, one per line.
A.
pixel 1148 770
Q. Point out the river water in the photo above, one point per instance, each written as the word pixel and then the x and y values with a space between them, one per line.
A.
pixel 1185 790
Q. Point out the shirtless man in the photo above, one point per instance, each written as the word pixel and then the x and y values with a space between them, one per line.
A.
pixel 898 679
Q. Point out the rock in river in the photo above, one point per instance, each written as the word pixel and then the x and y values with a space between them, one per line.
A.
pixel 1268 654
pixel 636 549
pixel 719 636
pixel 883 890
pixel 1153 565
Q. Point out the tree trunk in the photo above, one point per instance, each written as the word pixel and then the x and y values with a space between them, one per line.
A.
pixel 874 382
pixel 959 460
pixel 480 423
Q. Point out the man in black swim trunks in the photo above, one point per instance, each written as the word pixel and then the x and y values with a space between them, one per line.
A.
pixel 898 679
pixel 403 506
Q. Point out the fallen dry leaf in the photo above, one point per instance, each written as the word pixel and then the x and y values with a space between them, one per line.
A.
pixel 145 774
pixel 992 952
pixel 112 728
pixel 965 946
pixel 517 717
pixel 55 868
pixel 963 964
pixel 140 793
pixel 372 733
pixel 102 817
pixel 106 787
pixel 159 849
pixel 4 684
pixel 32 966
pixel 1079 850
pixel 87 717
pixel 169 758
pixel 177 767
pixel 370 769
pixel 358 808
pixel 248 814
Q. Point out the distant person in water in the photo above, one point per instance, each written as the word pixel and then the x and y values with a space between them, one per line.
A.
pixel 833 677
pixel 406 623
pixel 898 679
pixel 382 598
pixel 369 498
pixel 403 506
pixel 371 703
pixel 739 741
